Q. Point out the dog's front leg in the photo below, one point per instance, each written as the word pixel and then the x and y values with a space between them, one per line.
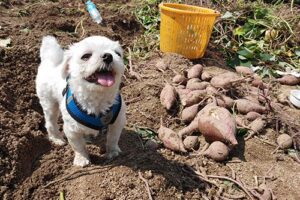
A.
pixel 77 143
pixel 113 134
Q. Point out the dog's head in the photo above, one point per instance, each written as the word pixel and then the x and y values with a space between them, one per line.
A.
pixel 96 63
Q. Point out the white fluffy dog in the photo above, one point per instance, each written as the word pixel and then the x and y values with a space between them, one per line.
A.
pixel 89 73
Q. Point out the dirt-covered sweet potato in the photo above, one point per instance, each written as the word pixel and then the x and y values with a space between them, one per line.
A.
pixel 205 76
pixel 289 80
pixel 189 113
pixel 225 80
pixel 220 102
pixel 168 96
pixel 224 101
pixel 252 116
pixel 244 106
pixel 196 84
pixel 195 71
pixel 240 120
pixel 170 139
pixel 179 79
pixel 252 98
pixel 191 142
pixel 257 125
pixel 193 126
pixel 211 90
pixel 284 141
pixel 193 97
pixel 244 70
pixel 182 93
pixel 217 151
pixel 217 124
pixel 258 83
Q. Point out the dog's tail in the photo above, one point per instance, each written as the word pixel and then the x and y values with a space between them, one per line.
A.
pixel 51 51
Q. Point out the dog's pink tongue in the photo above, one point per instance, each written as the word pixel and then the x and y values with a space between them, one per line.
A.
pixel 106 79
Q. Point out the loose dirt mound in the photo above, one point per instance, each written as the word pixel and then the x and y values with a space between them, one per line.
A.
pixel 28 162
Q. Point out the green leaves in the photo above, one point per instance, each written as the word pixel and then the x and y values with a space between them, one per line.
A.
pixel 246 53
pixel 257 36
pixel 297 52
pixel 146 133
pixel 267 57
pixel 242 131
pixel 227 15
pixel 148 17
pixel 261 13
pixel 240 31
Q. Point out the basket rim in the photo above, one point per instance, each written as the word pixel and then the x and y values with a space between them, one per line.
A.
pixel 164 6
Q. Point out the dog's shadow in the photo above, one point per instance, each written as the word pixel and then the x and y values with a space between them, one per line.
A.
pixel 139 159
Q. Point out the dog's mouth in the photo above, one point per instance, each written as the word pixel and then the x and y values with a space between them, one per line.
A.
pixel 103 77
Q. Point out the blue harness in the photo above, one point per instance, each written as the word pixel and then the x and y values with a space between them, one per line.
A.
pixel 92 121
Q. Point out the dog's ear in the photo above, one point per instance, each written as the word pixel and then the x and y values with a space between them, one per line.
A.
pixel 65 64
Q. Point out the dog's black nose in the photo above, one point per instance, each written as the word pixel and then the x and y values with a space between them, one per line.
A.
pixel 107 58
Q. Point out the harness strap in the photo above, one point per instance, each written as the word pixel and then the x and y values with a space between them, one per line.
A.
pixel 90 120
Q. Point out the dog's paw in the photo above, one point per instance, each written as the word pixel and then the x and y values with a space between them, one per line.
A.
pixel 57 140
pixel 113 152
pixel 81 161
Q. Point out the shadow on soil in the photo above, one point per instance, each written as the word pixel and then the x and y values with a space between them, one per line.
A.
pixel 139 159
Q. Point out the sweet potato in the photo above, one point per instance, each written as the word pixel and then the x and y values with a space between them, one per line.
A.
pixel 205 76
pixel 256 93
pixel 217 124
pixel 168 96
pixel 194 80
pixel 188 130
pixel 195 71
pixel 289 80
pixel 193 84
pixel 254 127
pixel 211 90
pixel 220 102
pixel 257 125
pixel 258 83
pixel 252 116
pixel 189 113
pixel 193 97
pixel 218 151
pixel 252 98
pixel 182 93
pixel 180 87
pixel 228 101
pixel 244 70
pixel 193 126
pixel 244 106
pixel 191 142
pixel 179 79
pixel 170 139
pixel 284 141
pixel 224 80
pixel 240 121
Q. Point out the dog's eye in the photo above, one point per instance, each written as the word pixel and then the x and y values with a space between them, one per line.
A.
pixel 86 56
pixel 119 54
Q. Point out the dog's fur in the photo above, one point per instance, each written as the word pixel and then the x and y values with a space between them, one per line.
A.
pixel 56 65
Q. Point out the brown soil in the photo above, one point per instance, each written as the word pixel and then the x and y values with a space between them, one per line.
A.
pixel 28 162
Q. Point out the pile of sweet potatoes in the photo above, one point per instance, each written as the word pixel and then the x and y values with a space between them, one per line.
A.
pixel 214 106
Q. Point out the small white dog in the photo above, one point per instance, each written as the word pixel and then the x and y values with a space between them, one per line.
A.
pixel 83 83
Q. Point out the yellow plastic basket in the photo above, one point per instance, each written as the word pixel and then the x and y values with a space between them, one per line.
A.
pixel 185 29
